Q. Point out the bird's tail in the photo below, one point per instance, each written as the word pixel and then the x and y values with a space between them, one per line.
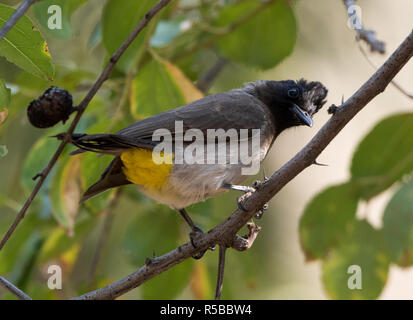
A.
pixel 114 144
pixel 113 176
pixel 106 143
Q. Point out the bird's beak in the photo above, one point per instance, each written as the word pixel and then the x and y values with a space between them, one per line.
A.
pixel 304 117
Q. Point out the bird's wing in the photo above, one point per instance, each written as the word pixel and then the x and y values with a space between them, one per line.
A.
pixel 234 109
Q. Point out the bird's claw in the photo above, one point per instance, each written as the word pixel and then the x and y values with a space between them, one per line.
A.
pixel 194 235
pixel 332 109
pixel 241 200
pixel 260 212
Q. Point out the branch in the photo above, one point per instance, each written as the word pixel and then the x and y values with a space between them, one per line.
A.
pixel 221 268
pixel 104 233
pixel 393 82
pixel 367 36
pixel 15 17
pixel 224 31
pixel 81 108
pixel 13 289
pixel 206 79
pixel 225 233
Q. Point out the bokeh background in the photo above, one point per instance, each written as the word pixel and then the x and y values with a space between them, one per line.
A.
pixel 275 267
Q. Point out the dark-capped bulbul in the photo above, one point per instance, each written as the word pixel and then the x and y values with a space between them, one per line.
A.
pixel 268 107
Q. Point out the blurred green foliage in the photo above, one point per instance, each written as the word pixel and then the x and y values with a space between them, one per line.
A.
pixel 156 73
pixel 330 230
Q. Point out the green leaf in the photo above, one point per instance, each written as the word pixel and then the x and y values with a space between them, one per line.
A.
pixel 57 241
pixel 12 251
pixel 398 225
pixel 37 159
pixel 96 36
pixel 26 260
pixel 3 151
pixel 4 95
pixel 65 193
pixel 92 167
pixel 326 219
pixel 165 32
pixel 25 47
pixel 384 155
pixel 363 247
pixel 264 39
pixel 120 17
pixel 155 231
pixel 41 11
pixel 176 279
pixel 155 90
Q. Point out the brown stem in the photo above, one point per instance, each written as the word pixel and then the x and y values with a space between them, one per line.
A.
pixel 13 289
pixel 210 41
pixel 221 268
pixel 205 80
pixel 393 82
pixel 15 17
pixel 104 234
pixel 224 233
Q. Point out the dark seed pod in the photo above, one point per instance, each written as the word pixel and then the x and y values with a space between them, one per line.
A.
pixel 54 105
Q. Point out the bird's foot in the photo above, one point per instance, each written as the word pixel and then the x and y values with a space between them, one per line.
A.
pixel 194 236
pixel 333 108
pixel 248 191
pixel 257 185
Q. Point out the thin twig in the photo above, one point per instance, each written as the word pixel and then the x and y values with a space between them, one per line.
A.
pixel 225 233
pixel 367 36
pixel 226 30
pixel 15 17
pixel 13 289
pixel 246 242
pixel 393 82
pixel 81 108
pixel 205 80
pixel 221 268
pixel 104 233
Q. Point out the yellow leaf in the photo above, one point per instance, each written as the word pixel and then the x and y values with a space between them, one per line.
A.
pixel 3 115
pixel 190 92
pixel 200 286
pixel 71 191
pixel 68 258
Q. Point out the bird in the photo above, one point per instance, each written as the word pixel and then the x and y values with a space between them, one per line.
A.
pixel 266 107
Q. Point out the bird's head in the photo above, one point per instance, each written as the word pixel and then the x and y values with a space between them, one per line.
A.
pixel 293 103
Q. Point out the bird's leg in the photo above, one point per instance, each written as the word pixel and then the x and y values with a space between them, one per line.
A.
pixel 247 192
pixel 195 233
pixel 235 187
pixel 189 221
pixel 246 189
pixel 257 184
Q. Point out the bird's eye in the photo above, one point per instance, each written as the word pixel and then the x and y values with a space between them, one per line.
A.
pixel 292 93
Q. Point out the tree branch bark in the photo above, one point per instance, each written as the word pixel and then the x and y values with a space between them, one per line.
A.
pixel 367 36
pixel 13 289
pixel 225 233
pixel 80 109
pixel 15 17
